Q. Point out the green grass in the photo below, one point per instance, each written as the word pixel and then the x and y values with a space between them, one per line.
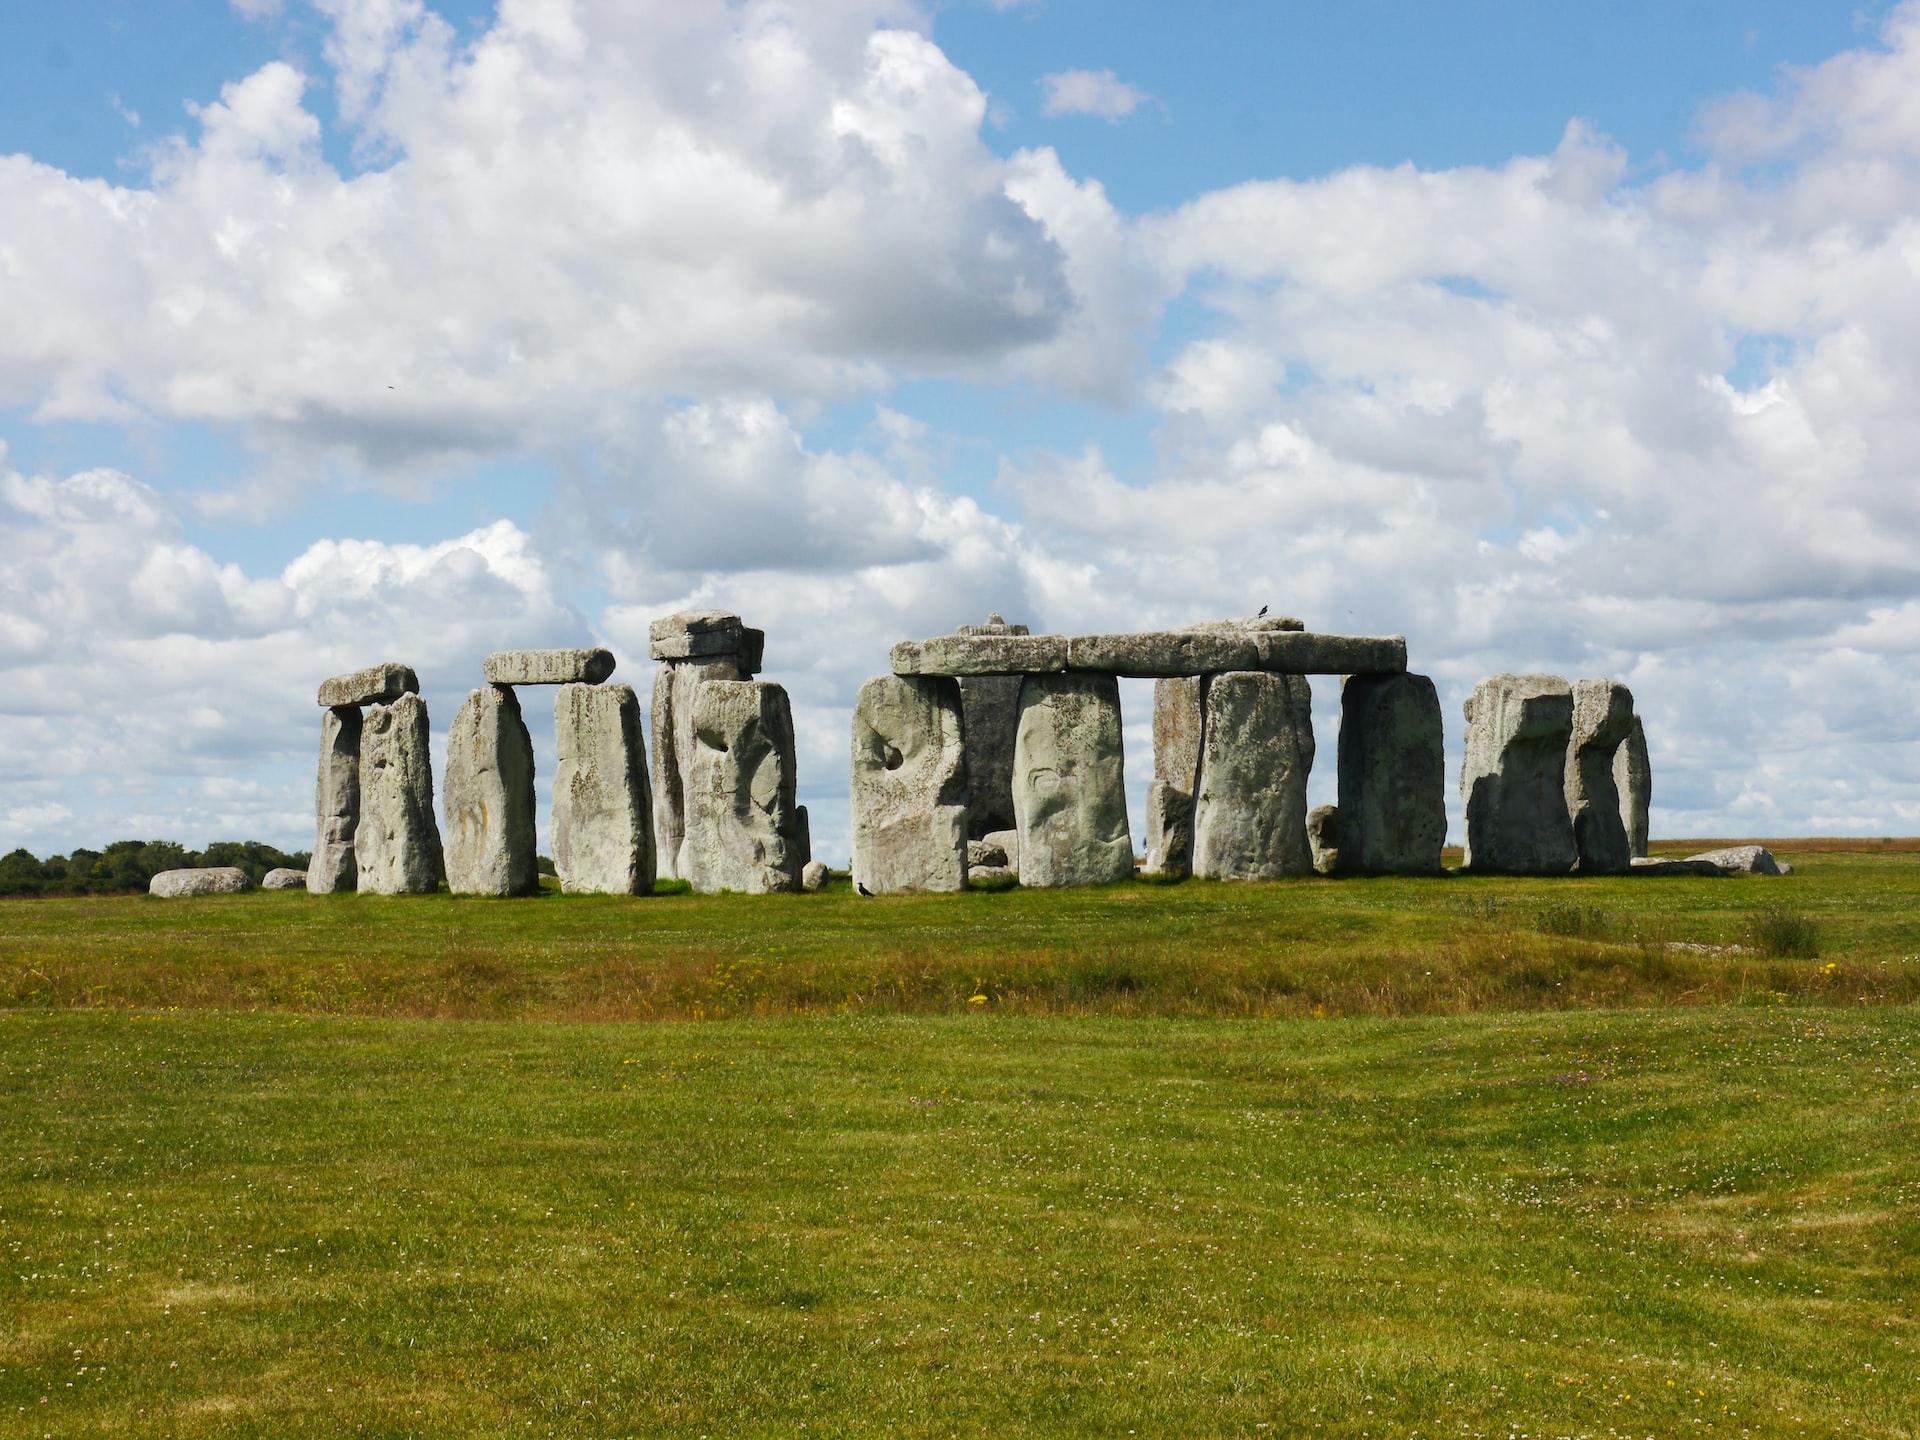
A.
pixel 1612 1223
pixel 1844 929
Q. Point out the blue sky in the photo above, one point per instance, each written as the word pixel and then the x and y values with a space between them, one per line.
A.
pixel 1486 323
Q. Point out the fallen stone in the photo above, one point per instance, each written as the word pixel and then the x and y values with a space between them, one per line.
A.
pixel 1294 652
pixel 1602 721
pixel 1745 860
pixel 1069 782
pixel 1176 768
pixel 375 685
pixel 980 854
pixel 674 684
pixel 989 709
pixel 1155 653
pixel 602 823
pixel 1393 776
pixel 490 844
pixel 214 880
pixel 1250 804
pixel 1323 838
pixel 336 802
pixel 1662 866
pixel 284 879
pixel 1513 778
pixel 981 655
pixel 909 786
pixel 397 842
pixel 1633 778
pixel 993 877
pixel 1007 841
pixel 694 633
pixel 814 876
pixel 740 789
pixel 548 667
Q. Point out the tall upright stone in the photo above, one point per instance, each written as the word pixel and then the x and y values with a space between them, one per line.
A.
pixel 990 709
pixel 1069 782
pixel 740 789
pixel 397 842
pixel 909 785
pixel 1633 778
pixel 1602 721
pixel 1176 769
pixel 602 803
pixel 1513 779
pixel 1250 804
pixel 336 802
pixel 491 845
pixel 1393 776
pixel 695 648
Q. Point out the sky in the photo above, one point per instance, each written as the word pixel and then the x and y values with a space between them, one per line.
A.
pixel 1576 339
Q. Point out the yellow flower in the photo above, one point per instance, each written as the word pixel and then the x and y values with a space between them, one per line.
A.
pixel 976 1000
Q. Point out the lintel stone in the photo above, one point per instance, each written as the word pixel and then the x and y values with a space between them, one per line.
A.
pixel 981 655
pixel 375 685
pixel 548 667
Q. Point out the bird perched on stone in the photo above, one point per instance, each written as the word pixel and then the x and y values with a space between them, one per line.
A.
pixel 1262 614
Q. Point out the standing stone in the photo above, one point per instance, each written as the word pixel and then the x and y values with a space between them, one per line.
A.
pixel 802 837
pixel 990 709
pixel 491 847
pixel 1393 776
pixel 909 786
pixel 696 647
pixel 1323 838
pixel 602 805
pixel 397 843
pixel 336 802
pixel 1513 779
pixel 814 876
pixel 740 789
pixel 1069 782
pixel 1250 805
pixel 1176 768
pixel 1633 778
pixel 1602 720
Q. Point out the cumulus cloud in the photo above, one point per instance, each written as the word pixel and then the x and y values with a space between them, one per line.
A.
pixel 1100 93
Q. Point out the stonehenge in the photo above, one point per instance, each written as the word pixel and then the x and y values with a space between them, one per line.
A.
pixel 1323 837
pixel 694 648
pixel 739 790
pixel 1250 797
pixel 1513 777
pixel 396 844
pixel 336 801
pixel 1069 784
pixel 989 711
pixel 1176 767
pixel 602 802
pixel 1602 721
pixel 1633 778
pixel 909 786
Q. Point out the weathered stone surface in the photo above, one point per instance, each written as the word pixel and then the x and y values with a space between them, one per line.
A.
pixel 1069 782
pixel 1250 804
pixel 284 879
pixel 1176 766
pixel 1323 838
pixel 1294 652
pixel 1154 653
pixel 491 848
pixel 992 877
pixel 336 802
pixel 981 655
pixel 989 707
pixel 215 880
pixel 1393 776
pixel 1513 779
pixel 981 854
pixel 909 786
pixel 375 685
pixel 740 789
pixel 1251 622
pixel 602 824
pixel 1745 860
pixel 814 876
pixel 673 688
pixel 802 837
pixel 1663 866
pixel 548 667
pixel 1633 778
pixel 397 842
pixel 1602 720
pixel 694 633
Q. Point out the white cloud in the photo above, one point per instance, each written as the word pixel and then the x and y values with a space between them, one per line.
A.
pixel 1090 92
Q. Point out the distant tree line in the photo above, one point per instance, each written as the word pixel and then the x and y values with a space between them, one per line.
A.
pixel 127 865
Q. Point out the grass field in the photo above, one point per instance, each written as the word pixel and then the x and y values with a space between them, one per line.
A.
pixel 1645 1191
